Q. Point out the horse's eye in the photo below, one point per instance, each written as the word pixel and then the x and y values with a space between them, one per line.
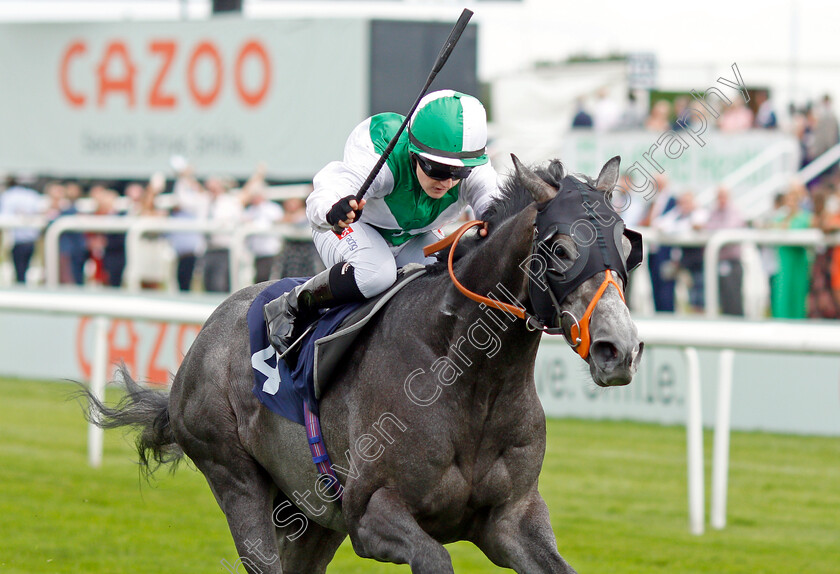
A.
pixel 560 252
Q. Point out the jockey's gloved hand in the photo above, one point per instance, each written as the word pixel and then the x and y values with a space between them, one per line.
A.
pixel 344 211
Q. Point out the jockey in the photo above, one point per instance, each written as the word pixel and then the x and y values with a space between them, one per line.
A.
pixel 438 166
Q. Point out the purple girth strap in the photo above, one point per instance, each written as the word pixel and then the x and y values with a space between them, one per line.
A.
pixel 319 451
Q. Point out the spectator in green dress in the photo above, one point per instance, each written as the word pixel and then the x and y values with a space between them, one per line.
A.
pixel 789 288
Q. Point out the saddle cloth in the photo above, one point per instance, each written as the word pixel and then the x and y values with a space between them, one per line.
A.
pixel 282 389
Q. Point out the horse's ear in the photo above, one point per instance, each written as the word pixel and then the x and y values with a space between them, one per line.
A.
pixel 609 175
pixel 539 189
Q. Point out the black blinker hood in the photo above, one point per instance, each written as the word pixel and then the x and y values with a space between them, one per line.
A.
pixel 582 213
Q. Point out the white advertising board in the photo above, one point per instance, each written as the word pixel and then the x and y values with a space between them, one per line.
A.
pixel 776 392
pixel 772 391
pixel 121 98
pixel 690 162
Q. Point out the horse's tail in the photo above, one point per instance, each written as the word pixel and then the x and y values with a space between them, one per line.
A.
pixel 145 411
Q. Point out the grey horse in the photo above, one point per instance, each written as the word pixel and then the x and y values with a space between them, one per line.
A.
pixel 433 424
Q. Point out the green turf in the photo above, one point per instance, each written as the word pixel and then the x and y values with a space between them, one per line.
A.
pixel 616 491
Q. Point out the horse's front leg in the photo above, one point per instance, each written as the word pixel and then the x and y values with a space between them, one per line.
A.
pixel 518 535
pixel 388 532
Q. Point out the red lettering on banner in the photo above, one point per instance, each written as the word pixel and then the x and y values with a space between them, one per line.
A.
pixel 76 99
pixel 205 50
pixel 155 374
pixel 158 99
pixel 117 73
pixel 128 353
pixel 84 364
pixel 116 52
pixel 252 99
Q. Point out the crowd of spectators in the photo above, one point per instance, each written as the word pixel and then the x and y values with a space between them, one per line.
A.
pixel 815 126
pixel 200 260
pixel 677 216
pixel 605 114
pixel 803 281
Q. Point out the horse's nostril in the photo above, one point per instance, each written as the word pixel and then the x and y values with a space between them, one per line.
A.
pixel 604 352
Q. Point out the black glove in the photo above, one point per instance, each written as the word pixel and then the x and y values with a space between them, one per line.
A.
pixel 340 209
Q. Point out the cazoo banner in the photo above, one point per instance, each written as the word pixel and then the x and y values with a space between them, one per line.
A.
pixel 121 98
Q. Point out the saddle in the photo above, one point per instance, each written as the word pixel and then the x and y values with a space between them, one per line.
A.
pixel 330 349
pixel 283 389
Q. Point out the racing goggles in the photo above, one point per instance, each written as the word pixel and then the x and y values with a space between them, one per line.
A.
pixel 440 171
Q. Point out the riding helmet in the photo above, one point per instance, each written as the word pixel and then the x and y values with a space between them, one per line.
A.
pixel 449 127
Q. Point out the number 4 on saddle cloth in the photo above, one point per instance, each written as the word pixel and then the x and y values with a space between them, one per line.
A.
pixel 293 392
pixel 287 391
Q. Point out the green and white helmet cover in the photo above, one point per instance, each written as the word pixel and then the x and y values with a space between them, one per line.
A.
pixel 449 127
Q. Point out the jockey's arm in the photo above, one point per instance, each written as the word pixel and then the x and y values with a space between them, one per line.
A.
pixel 339 179
pixel 480 188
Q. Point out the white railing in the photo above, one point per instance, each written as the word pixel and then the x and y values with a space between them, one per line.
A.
pixel 688 335
pixel 786 151
pixel 752 200
pixel 167 201
pixel 712 242
pixel 820 164
pixel 751 237
pixel 103 308
pixel 239 252
pixel 136 228
pixel 641 295
pixel 142 226
pixel 21 222
pixel 79 223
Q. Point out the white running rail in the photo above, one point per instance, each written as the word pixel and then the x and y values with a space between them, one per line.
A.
pixel 728 337
pixel 136 228
pixel 103 308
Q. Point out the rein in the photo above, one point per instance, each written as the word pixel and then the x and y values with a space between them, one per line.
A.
pixel 579 331
pixel 533 323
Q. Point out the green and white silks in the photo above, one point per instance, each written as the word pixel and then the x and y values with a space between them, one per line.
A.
pixel 396 204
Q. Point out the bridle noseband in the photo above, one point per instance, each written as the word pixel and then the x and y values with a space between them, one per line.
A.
pixel 579 337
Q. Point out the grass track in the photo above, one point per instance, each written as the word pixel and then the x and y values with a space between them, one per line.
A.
pixel 616 492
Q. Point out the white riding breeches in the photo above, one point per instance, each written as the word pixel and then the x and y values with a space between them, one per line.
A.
pixel 374 260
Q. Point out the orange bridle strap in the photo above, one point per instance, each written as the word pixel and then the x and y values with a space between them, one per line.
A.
pixel 453 241
pixel 582 333
pixel 579 331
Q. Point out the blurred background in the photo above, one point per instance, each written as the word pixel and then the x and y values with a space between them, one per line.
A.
pixel 164 149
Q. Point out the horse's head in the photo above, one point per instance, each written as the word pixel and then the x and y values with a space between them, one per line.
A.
pixel 578 270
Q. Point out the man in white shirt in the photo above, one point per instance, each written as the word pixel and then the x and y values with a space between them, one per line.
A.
pixel 19 201
pixel 263 213
pixel 226 211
